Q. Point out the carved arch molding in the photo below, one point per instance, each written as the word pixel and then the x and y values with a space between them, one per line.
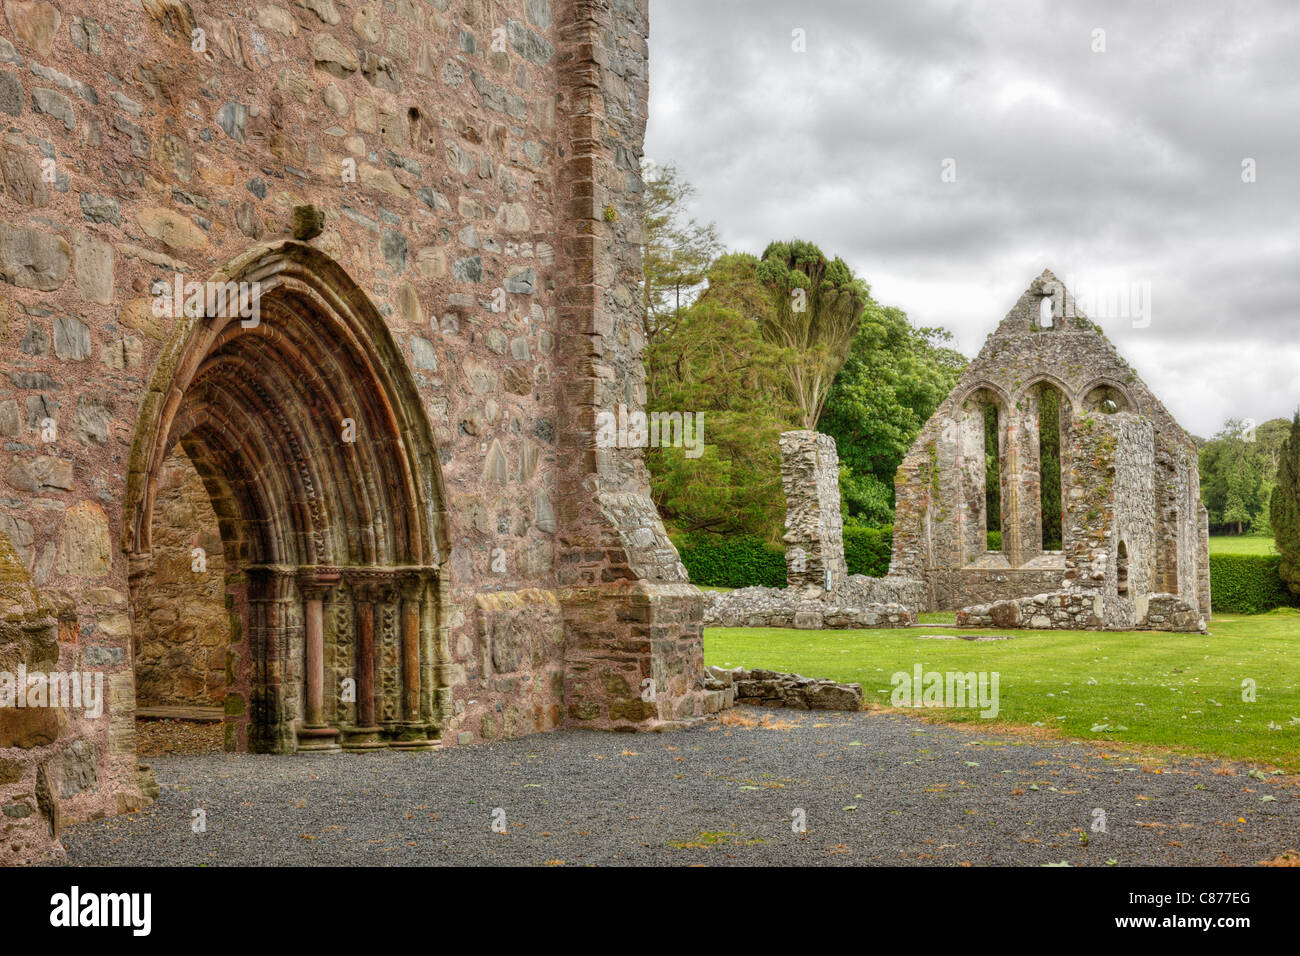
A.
pixel 309 434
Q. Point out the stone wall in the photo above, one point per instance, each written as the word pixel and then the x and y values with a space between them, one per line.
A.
pixel 29 738
pixel 449 193
pixel 763 688
pixel 1061 610
pixel 940 522
pixel 520 660
pixel 785 607
pixel 1111 507
pixel 957 587
pixel 181 623
pixel 1082 610
pixel 1169 612
pixel 814 530
pixel 53 770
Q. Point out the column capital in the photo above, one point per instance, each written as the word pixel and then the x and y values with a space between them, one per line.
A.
pixel 314 581
pixel 371 584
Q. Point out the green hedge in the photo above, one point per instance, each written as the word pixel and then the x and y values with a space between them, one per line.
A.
pixel 739 562
pixel 866 550
pixel 733 562
pixel 1246 583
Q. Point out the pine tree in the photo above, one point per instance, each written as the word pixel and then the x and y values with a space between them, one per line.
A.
pixel 1285 509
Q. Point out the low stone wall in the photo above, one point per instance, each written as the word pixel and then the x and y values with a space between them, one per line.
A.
pixel 1169 612
pixel 51 772
pixel 1079 610
pixel 763 688
pixel 1058 610
pixel 787 607
pixel 953 588
pixel 859 590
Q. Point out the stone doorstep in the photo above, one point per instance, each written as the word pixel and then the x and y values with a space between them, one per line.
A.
pixel 182 712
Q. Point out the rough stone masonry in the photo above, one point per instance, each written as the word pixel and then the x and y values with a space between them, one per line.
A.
pixel 415 542
pixel 1134 548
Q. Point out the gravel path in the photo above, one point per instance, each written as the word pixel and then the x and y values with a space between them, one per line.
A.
pixel 875 789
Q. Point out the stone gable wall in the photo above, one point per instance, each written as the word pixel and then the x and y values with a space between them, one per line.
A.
pixel 938 520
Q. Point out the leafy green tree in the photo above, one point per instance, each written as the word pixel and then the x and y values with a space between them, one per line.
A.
pixel 1285 509
pixel 992 478
pixel 1269 437
pixel 1238 468
pixel 715 362
pixel 894 378
pixel 1236 506
pixel 678 250
pixel 1049 456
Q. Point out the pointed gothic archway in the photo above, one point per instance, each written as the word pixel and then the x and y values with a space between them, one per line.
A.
pixel 310 438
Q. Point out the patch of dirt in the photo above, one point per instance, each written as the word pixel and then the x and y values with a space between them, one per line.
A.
pixel 1289 858
pixel 739 718
pixel 158 738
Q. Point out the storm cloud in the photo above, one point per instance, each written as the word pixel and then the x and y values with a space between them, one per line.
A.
pixel 1118 168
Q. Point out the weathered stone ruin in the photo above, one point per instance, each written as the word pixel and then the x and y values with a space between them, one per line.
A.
pixel 419 222
pixel 763 688
pixel 819 591
pixel 1133 548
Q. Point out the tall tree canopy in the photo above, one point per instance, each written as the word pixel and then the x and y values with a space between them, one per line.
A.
pixel 755 344
pixel 678 250
pixel 1238 467
pixel 714 362
pixel 894 378
pixel 816 305
pixel 1285 510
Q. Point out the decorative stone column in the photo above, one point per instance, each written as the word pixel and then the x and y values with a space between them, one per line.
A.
pixel 314 734
pixel 366 734
pixel 272 610
pixel 1022 516
pixel 412 733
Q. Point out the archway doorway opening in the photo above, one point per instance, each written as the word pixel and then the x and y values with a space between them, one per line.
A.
pixel 302 422
pixel 182 627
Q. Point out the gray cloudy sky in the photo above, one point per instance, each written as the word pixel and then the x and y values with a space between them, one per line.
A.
pixel 1118 170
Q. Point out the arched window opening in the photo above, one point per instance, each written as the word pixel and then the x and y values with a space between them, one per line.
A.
pixel 1107 399
pixel 1047 312
pixel 1049 455
pixel 992 479
pixel 1046 320
pixel 1121 573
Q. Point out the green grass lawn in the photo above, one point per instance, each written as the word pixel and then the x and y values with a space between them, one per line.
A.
pixel 1180 691
pixel 1241 544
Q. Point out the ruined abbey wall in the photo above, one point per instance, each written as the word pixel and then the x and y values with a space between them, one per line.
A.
pixel 1128 476
pixel 462 288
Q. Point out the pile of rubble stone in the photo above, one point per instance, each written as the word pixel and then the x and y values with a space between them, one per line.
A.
pixel 764 688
